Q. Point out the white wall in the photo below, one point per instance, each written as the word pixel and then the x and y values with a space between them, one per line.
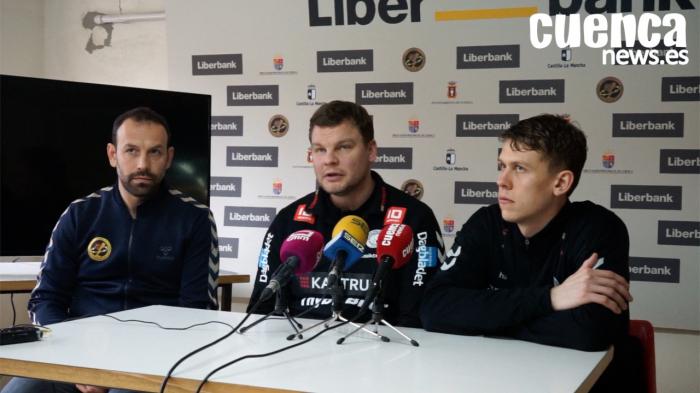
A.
pixel 46 39
pixel 22 37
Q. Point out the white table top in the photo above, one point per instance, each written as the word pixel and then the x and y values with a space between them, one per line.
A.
pixel 442 363
pixel 13 271
pixel 18 271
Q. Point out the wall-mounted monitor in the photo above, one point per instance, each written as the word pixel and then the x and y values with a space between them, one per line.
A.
pixel 53 138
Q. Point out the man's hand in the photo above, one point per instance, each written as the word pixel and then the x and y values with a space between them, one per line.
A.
pixel 589 285
pixel 91 389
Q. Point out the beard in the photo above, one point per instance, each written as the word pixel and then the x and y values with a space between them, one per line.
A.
pixel 140 188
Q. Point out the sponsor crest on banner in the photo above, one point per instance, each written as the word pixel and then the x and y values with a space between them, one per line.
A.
pixel 278 62
pixel 413 188
pixel 450 157
pixel 277 187
pixel 448 225
pixel 452 89
pixel 608 160
pixel 413 59
pixel 609 89
pixel 413 126
pixel 278 126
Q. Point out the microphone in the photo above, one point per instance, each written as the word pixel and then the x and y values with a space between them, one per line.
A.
pixel 394 250
pixel 301 252
pixel 347 245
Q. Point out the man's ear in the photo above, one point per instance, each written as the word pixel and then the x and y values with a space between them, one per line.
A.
pixel 171 155
pixel 112 155
pixel 372 146
pixel 563 183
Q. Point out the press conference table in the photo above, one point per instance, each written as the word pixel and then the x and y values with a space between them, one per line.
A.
pixel 132 355
pixel 20 277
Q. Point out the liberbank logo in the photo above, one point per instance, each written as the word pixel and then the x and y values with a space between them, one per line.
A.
pixel 394 158
pixel 613 32
pixel 350 12
pixel 647 125
pixel 531 91
pixel 679 233
pixel 230 64
pixel 228 247
pixel 345 60
pixel 225 187
pixel 252 95
pixel 479 193
pixel 400 93
pixel 252 156
pixel 484 125
pixel 646 197
pixel 496 56
pixel 679 161
pixel 681 88
pixel 655 269
pixel 257 217
pixel 227 126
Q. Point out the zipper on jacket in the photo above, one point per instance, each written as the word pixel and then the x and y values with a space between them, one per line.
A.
pixel 128 266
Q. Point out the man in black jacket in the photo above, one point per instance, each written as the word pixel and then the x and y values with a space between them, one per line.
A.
pixel 342 151
pixel 536 266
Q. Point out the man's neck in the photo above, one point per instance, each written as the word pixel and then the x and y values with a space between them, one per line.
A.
pixel 357 198
pixel 532 228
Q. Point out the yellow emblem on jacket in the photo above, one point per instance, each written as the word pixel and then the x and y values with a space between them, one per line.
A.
pixel 99 249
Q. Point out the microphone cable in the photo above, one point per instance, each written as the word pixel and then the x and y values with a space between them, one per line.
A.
pixel 260 355
pixel 12 301
pixel 205 346
pixel 182 359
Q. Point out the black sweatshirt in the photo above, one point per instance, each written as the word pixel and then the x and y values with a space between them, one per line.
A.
pixel 404 287
pixel 497 282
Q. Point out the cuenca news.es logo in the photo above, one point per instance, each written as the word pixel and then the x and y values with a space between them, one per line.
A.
pixel 624 39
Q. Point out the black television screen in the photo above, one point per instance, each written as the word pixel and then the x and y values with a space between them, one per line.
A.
pixel 53 138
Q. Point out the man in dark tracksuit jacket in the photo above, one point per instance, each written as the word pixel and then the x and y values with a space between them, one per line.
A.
pixel 130 245
pixel 101 260
pixel 342 150
pixel 536 266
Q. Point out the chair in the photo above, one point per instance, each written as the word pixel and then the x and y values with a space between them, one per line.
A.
pixel 644 332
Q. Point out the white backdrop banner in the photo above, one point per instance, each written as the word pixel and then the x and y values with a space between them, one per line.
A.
pixel 442 80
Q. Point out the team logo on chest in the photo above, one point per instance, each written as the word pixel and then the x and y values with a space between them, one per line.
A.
pixel 99 249
pixel 303 216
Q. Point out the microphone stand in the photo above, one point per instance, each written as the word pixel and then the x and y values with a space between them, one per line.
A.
pixel 281 308
pixel 378 318
pixel 338 299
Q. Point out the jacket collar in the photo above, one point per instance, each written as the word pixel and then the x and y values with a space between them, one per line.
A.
pixel 322 206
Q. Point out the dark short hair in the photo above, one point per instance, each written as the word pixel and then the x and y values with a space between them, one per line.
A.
pixel 141 114
pixel 558 140
pixel 335 112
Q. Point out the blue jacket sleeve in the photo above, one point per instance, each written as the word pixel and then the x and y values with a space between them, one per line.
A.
pixel 200 271
pixel 51 298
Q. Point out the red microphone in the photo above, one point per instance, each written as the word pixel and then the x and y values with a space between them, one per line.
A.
pixel 301 251
pixel 394 249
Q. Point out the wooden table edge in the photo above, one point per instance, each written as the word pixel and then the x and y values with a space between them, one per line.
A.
pixel 17 286
pixel 117 379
